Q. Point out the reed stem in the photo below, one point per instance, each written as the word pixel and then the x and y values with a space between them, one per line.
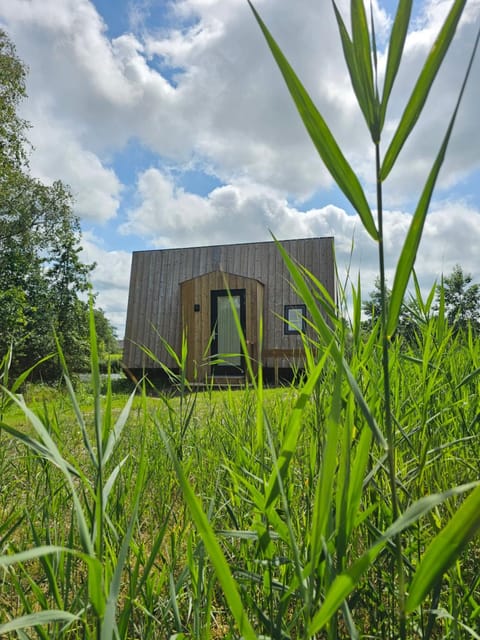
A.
pixel 389 429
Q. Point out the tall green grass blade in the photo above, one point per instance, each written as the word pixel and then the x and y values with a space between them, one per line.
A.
pixel 37 619
pixel 46 562
pixel 9 525
pixel 30 554
pixel 395 51
pixel 444 614
pixel 109 624
pixel 110 481
pixel 445 548
pixel 107 413
pixel 294 547
pixel 115 434
pixel 259 414
pixel 60 462
pixel 154 551
pixel 96 387
pixel 243 341
pixel 96 585
pixel 346 582
pixel 324 488
pixel 213 548
pixel 321 136
pixel 357 312
pixel 174 605
pixel 75 405
pixel 293 431
pixel 18 382
pixel 422 87
pixel 407 257
pixel 363 54
pixel 328 338
pixel 360 89
pixel 357 477
pixel 37 447
pixel 468 378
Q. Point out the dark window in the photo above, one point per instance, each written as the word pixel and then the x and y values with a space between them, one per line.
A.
pixel 294 318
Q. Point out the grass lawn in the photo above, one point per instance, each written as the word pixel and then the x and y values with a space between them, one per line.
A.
pixel 292 487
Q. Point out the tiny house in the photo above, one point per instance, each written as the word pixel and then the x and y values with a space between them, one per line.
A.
pixel 202 294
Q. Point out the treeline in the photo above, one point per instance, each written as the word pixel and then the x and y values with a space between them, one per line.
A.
pixel 44 284
pixel 455 298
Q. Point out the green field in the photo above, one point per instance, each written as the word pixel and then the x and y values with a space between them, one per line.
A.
pixel 199 511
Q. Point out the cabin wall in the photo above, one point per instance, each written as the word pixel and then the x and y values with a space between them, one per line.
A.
pixel 154 307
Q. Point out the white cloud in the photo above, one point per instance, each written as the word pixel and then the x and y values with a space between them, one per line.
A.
pixel 208 94
pixel 110 279
pixel 226 103
pixel 96 188
pixel 169 217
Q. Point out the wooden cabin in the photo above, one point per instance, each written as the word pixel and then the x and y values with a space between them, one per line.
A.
pixel 192 292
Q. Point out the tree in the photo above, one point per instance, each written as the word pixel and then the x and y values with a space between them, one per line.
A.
pixel 106 333
pixel 461 299
pixel 372 310
pixel 42 278
pixel 12 91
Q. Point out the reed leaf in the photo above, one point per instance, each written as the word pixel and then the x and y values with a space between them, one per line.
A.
pixel 328 338
pixel 37 447
pixel 30 554
pixel 407 257
pixel 321 136
pixel 445 548
pixel 76 407
pixel 357 476
pixel 395 51
pixel 324 493
pixel 114 435
pixel 109 623
pixel 212 547
pixel 361 91
pixel 56 457
pixel 363 54
pixel 422 87
pixel 346 582
pixel 293 431
pixel 39 618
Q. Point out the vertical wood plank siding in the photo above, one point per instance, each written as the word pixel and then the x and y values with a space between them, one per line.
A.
pixel 154 305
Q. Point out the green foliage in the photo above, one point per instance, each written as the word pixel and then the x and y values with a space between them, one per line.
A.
pixel 285 490
pixel 461 300
pixel 90 541
pixel 12 91
pixel 409 319
pixel 42 277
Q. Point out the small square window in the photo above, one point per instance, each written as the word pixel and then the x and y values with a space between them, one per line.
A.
pixel 294 319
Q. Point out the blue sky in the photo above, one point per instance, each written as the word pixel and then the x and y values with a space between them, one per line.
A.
pixel 171 124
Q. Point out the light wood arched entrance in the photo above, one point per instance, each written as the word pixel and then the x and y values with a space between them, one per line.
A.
pixel 207 321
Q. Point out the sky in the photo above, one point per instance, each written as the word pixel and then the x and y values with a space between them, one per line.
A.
pixel 171 124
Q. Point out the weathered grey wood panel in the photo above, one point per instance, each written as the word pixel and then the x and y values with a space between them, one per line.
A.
pixel 154 307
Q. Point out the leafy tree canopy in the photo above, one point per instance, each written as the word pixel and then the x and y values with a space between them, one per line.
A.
pixel 461 299
pixel 43 281
pixel 456 295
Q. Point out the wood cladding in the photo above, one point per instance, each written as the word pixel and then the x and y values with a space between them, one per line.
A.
pixel 166 284
pixel 197 320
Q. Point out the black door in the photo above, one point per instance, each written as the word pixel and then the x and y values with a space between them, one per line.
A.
pixel 226 346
